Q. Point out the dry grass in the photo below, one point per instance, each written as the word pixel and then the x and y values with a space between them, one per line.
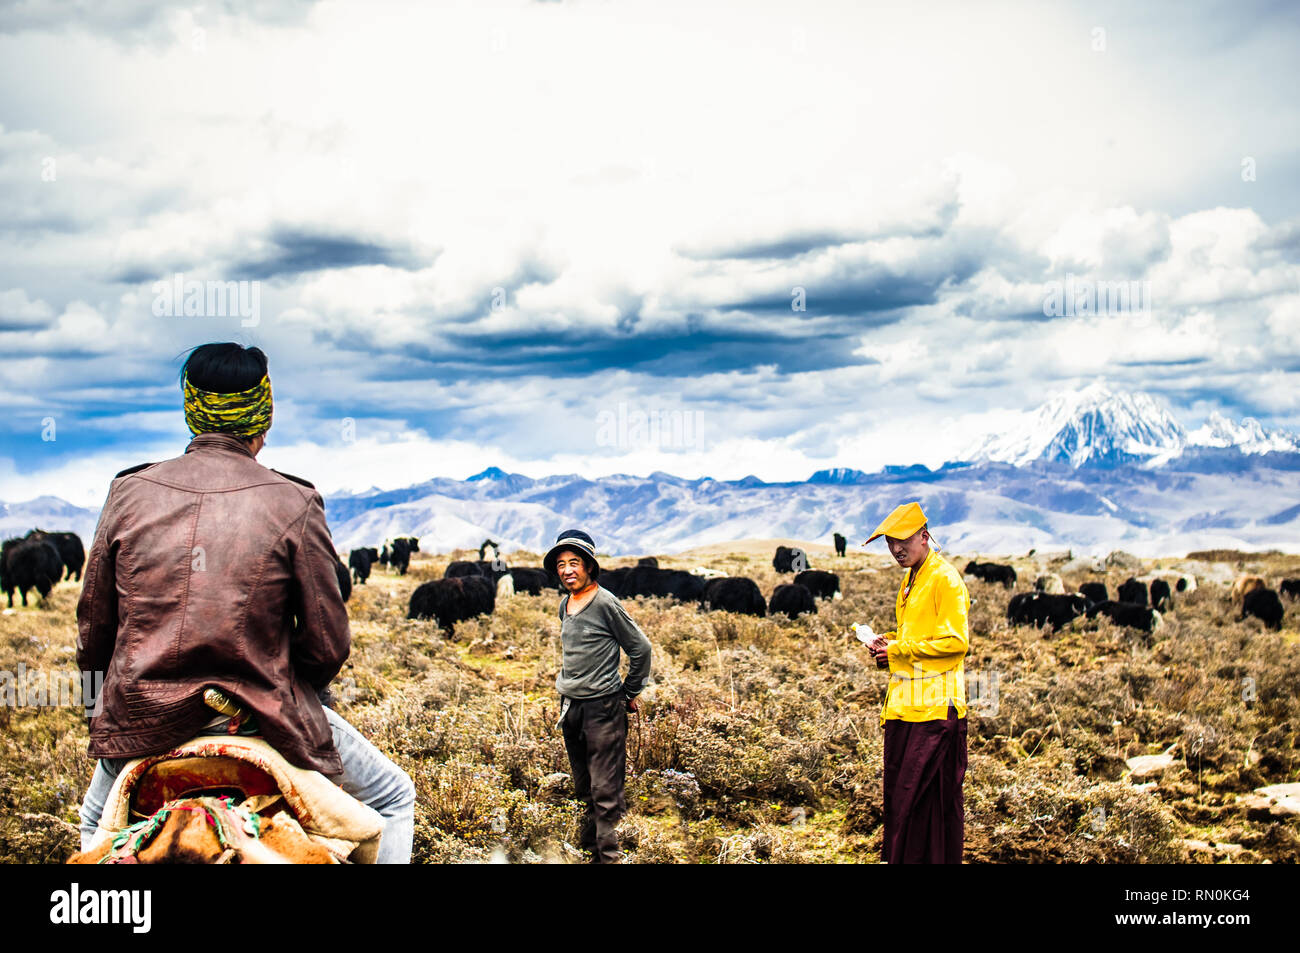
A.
pixel 760 741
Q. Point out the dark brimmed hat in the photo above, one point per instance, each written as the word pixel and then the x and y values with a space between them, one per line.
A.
pixel 577 541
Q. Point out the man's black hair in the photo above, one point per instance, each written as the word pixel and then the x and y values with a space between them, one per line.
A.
pixel 224 368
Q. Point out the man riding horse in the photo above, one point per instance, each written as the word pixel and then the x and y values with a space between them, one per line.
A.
pixel 210 574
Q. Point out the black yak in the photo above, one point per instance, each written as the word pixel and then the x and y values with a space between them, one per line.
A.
pixel 71 552
pixel 463 568
pixel 448 601
pixel 1043 608
pixel 615 580
pixel 1129 614
pixel 29 564
pixel 533 580
pixel 1161 596
pixel 640 580
pixel 675 583
pixel 791 599
pixel 789 559
pixel 1094 591
pixel 841 545
pixel 822 584
pixel 399 555
pixel 734 594
pixel 1134 592
pixel 359 560
pixel 992 572
pixel 1265 605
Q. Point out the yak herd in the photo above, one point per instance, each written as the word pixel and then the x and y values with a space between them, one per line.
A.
pixel 1138 604
pixel 38 561
pixel 468 588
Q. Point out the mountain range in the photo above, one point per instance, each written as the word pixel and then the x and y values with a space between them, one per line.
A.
pixel 1099 427
pixel 1093 470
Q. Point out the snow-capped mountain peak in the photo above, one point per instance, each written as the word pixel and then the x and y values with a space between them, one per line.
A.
pixel 838 475
pixel 1249 436
pixel 1102 427
pixel 1095 426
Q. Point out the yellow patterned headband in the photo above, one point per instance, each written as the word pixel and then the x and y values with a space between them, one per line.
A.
pixel 245 414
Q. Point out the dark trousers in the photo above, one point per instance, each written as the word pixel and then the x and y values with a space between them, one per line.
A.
pixel 925 812
pixel 595 736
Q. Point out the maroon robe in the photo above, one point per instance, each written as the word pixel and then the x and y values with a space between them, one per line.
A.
pixel 925 764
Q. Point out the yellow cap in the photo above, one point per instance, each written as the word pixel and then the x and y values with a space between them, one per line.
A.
pixel 902 523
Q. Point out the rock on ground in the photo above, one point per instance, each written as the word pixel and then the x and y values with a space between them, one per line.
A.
pixel 1146 766
pixel 1083 564
pixel 1207 572
pixel 1276 800
pixel 1050 583
pixel 1208 852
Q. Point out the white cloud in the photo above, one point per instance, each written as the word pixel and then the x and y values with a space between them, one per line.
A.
pixel 18 310
pixel 590 158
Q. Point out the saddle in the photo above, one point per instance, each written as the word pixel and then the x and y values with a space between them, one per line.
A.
pixel 246 774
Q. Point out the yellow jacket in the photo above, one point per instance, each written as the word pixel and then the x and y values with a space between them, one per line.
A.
pixel 927 649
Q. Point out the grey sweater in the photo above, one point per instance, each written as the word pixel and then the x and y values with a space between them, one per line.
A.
pixel 591 640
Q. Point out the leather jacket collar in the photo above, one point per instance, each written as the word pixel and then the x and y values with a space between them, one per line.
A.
pixel 219 441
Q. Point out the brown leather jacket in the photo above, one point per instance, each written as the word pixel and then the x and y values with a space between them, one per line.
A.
pixel 211 570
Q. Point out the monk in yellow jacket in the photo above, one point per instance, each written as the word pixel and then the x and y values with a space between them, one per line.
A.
pixel 925 709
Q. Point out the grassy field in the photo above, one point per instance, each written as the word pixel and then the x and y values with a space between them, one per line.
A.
pixel 759 740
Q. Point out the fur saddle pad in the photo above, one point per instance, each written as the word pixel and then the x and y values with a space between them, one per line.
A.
pixel 260 776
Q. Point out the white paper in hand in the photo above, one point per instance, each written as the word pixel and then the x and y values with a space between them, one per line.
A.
pixel 863 632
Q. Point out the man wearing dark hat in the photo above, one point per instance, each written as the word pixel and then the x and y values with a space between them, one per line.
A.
pixel 595 700
pixel 212 605
pixel 925 709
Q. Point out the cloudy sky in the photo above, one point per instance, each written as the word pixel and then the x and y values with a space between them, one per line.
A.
pixel 615 236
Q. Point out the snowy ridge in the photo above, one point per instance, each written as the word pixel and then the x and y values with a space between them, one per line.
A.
pixel 1248 436
pixel 50 514
pixel 1095 426
pixel 1226 500
pixel 1100 427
